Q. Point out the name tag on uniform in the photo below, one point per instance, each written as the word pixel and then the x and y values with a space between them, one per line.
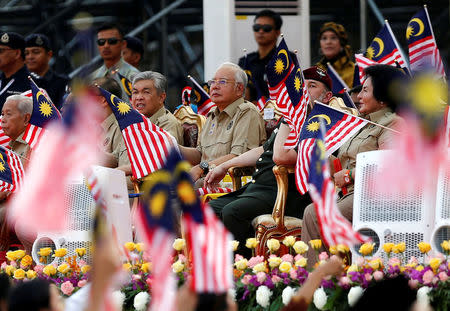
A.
pixel 269 114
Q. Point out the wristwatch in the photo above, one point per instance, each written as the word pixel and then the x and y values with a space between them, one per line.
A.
pixel 204 166
pixel 347 176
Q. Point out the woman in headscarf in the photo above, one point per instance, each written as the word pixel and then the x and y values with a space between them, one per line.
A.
pixel 335 50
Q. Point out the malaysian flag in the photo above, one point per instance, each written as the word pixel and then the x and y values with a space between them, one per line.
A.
pixel 147 144
pixel 207 238
pixel 385 49
pixel 278 69
pixel 356 79
pixel 43 112
pixel 339 127
pixel 4 139
pixel 155 221
pixel 66 149
pixel 126 84
pixel 334 228
pixel 11 170
pixel 363 62
pixel 200 98
pixel 203 191
pixel 423 51
pixel 339 86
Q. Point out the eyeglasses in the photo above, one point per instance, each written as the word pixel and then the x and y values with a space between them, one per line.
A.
pixel 111 41
pixel 265 27
pixel 220 82
pixel 4 49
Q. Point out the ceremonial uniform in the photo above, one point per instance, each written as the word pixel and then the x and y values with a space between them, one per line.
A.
pixel 239 208
pixel 114 144
pixel 370 137
pixel 235 130
pixel 16 84
pixel 167 121
pixel 257 67
pixel 124 69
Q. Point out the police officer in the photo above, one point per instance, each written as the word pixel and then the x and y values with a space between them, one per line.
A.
pixel 37 57
pixel 14 76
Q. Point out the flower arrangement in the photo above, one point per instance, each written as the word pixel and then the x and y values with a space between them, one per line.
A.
pixel 69 276
pixel 260 283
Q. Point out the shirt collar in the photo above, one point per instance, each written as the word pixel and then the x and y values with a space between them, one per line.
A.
pixel 377 115
pixel 231 108
pixel 158 114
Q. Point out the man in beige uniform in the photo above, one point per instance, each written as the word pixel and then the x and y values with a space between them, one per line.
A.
pixel 16 114
pixel 233 127
pixel 148 97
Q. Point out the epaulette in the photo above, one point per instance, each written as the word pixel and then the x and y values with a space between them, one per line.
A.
pixel 246 105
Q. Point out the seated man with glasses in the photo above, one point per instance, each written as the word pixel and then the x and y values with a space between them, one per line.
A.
pixel 233 127
pixel 110 44
pixel 266 28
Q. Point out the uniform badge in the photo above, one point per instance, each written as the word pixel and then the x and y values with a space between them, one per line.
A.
pixel 39 40
pixel 106 141
pixel 230 125
pixel 4 38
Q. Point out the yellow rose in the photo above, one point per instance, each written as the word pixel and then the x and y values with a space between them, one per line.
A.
pixel 251 243
pixel 333 250
pixel 289 241
pixel 316 244
pixel 261 267
pixel 353 268
pixel 146 267
pixel 63 268
pixel 177 266
pixel 19 253
pixel 342 248
pixel 19 274
pixel 366 249
pixel 241 264
pixel 80 251
pixel 26 261
pixel 179 244
pixel 376 263
pixel 301 262
pixel 31 274
pixel 274 262
pixel 285 266
pixel 11 256
pixel 139 247
pixel 273 245
pixel 10 270
pixel 126 266
pixel 85 268
pixel 234 245
pixel 435 263
pixel 49 270
pixel 45 251
pixel 424 247
pixel 300 247
pixel 61 252
pixel 446 246
pixel 420 268
pixel 399 248
pixel 130 246
pixel 387 247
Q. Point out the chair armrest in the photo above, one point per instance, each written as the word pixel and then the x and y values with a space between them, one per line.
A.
pixel 236 173
pixel 281 173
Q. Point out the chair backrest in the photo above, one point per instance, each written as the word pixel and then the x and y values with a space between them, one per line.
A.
pixel 271 115
pixel 389 216
pixel 441 230
pixel 192 124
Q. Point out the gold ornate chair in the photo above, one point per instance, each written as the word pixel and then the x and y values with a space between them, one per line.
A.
pixel 277 226
pixel 192 124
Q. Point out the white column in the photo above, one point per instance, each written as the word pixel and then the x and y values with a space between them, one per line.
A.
pixel 218 17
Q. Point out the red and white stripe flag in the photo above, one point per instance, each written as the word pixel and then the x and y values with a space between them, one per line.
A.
pixel 147 145
pixel 202 191
pixel 362 63
pixel 339 128
pixel 11 170
pixel 4 139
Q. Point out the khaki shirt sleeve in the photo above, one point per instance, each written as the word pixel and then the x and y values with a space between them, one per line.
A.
pixel 249 132
pixel 385 141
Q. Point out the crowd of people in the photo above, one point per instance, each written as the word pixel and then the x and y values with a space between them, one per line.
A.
pixel 233 135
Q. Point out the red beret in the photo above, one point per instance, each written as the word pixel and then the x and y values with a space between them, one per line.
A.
pixel 318 74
